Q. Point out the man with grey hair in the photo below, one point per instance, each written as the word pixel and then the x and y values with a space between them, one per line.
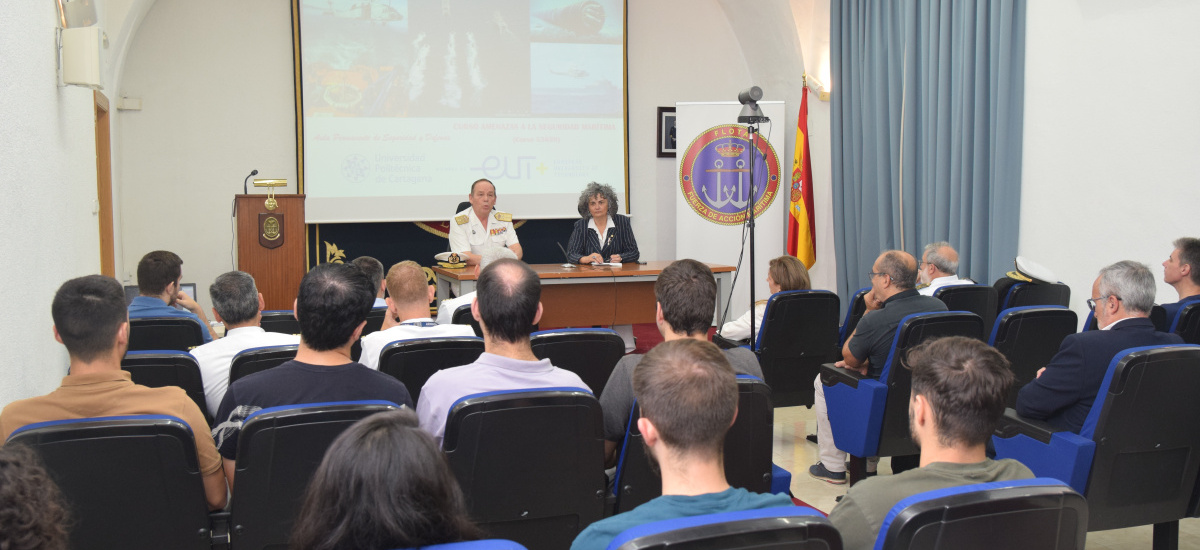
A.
pixel 486 256
pixel 1182 271
pixel 238 304
pixel 939 268
pixel 1063 392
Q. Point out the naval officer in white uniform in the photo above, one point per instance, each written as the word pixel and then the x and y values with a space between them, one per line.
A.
pixel 481 226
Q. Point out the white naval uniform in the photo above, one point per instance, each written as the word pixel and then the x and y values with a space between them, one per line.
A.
pixel 467 233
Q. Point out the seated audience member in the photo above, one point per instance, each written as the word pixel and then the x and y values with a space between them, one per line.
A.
pixel 374 271
pixel 90 320
pixel 332 308
pixel 686 292
pixel 383 484
pixel 892 298
pixel 1182 271
pixel 687 393
pixel 1063 392
pixel 488 255
pixel 959 387
pixel 238 304
pixel 32 513
pixel 159 274
pixel 783 273
pixel 601 235
pixel 939 268
pixel 507 307
pixel 408 313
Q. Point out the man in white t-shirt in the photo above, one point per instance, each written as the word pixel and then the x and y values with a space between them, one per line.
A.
pixel 939 268
pixel 238 304
pixel 408 313
pixel 488 255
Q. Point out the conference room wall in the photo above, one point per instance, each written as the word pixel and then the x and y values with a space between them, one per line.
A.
pixel 47 195
pixel 1110 165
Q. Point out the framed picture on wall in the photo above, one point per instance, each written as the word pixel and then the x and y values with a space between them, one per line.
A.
pixel 666 132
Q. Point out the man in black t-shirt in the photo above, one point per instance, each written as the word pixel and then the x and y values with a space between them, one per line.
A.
pixel 332 309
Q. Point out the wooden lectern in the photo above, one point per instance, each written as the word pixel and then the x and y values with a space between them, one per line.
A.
pixel 271 246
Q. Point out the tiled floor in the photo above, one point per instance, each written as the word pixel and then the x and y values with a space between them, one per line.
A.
pixel 795 454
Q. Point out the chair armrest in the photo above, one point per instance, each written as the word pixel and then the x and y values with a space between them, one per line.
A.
pixel 1048 451
pixel 219 534
pixel 831 375
pixel 725 343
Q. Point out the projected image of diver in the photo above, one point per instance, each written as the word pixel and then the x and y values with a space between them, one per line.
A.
pixel 595 21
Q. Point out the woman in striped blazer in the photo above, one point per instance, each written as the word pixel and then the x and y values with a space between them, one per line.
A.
pixel 598 208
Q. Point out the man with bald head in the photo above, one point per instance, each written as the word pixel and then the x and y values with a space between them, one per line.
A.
pixel 893 297
pixel 507 306
pixel 939 268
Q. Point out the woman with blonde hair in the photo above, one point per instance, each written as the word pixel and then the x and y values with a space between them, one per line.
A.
pixel 783 273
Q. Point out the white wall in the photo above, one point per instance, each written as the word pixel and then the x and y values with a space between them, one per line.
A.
pixel 1110 146
pixel 47 196
pixel 215 80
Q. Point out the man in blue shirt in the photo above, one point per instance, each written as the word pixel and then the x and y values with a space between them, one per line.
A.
pixel 159 274
pixel 687 393
pixel 1182 271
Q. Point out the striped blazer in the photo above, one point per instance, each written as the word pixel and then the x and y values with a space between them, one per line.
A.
pixel 618 240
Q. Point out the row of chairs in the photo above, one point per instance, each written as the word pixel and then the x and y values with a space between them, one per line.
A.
pixel 530 464
pixel 1137 460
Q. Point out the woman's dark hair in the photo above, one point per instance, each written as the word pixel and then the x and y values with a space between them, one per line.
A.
pixel 383 484
pixel 32 515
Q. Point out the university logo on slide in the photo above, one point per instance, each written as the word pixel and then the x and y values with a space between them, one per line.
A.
pixel 355 168
pixel 714 174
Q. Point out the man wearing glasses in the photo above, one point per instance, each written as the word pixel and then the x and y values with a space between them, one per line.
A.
pixel 1063 392
pixel 893 296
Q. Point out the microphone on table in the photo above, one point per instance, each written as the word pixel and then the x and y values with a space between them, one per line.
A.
pixel 569 263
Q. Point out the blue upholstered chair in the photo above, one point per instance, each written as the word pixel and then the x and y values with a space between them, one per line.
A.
pixel 157 333
pixel 280 320
pixel 1137 457
pixel 254 360
pixel 592 353
pixel 854 313
pixel 129 481
pixel 489 544
pixel 869 417
pixel 1187 322
pixel 978 299
pixel 782 528
pixel 414 361
pixel 1033 294
pixel 279 449
pixel 1028 514
pixel 160 368
pixel 374 323
pixel 1029 337
pixel 799 333
pixel 530 463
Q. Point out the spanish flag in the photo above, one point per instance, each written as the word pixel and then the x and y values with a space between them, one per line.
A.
pixel 800 240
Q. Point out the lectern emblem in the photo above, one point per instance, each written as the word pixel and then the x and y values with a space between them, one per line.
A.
pixel 270 230
pixel 714 174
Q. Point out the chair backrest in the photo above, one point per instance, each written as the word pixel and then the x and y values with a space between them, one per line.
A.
pixel 782 528
pixel 1158 316
pixel 374 323
pixel 530 462
pixel 254 360
pixel 799 332
pixel 157 333
pixel 279 449
pixel 978 299
pixel 854 313
pixel 1028 514
pixel 748 447
pixel 1029 337
pixel 462 316
pixel 414 361
pixel 1147 453
pixel 1035 294
pixel 461 206
pixel 280 320
pixel 1187 323
pixel 129 481
pixel 162 368
pixel 592 353
pixel 895 439
pixel 489 544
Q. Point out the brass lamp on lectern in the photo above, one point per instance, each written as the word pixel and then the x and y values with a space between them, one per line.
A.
pixel 271 203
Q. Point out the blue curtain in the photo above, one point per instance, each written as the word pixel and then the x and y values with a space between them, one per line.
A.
pixel 926 123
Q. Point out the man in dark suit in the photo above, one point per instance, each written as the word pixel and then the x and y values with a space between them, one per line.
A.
pixel 1064 390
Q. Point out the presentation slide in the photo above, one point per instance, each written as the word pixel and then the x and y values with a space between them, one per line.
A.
pixel 405 103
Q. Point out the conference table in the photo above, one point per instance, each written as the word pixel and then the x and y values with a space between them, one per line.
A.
pixel 588 295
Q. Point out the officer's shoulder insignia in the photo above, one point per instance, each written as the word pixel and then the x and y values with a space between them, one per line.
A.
pixel 503 216
pixel 460 219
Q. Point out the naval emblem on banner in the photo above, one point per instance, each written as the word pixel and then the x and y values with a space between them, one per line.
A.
pixel 714 174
